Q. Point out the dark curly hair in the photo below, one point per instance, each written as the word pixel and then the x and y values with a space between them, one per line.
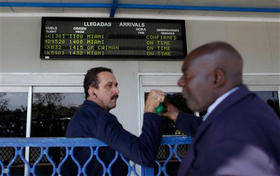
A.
pixel 91 78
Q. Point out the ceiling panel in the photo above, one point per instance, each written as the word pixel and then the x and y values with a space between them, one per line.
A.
pixel 36 10
pixel 5 9
pixel 199 15
pixel 231 3
pixel 95 11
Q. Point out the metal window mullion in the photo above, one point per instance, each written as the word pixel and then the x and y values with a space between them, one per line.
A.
pixel 146 171
pixel 28 125
pixel 141 97
pixel 279 96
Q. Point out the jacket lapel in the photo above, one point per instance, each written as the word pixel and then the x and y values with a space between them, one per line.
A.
pixel 227 102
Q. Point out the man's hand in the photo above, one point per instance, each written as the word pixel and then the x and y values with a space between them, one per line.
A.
pixel 172 112
pixel 155 97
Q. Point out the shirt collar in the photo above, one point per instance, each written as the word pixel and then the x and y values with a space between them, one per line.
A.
pixel 217 102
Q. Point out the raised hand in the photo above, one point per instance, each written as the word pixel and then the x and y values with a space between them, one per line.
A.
pixel 172 111
pixel 155 97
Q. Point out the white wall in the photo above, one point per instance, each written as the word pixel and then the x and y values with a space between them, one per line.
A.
pixel 258 43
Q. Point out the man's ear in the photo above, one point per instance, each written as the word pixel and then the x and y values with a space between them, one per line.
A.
pixel 91 91
pixel 219 78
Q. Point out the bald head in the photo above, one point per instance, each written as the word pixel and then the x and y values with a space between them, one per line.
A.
pixel 208 72
pixel 220 55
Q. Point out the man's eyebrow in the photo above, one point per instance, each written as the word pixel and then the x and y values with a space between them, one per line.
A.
pixel 112 82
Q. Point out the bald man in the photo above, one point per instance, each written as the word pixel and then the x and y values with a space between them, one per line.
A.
pixel 239 134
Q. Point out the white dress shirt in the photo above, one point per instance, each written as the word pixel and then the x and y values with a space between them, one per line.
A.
pixel 217 102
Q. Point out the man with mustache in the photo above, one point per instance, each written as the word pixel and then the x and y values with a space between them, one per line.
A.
pixel 93 119
pixel 239 134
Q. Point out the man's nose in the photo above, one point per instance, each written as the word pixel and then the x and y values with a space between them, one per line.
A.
pixel 116 90
pixel 181 82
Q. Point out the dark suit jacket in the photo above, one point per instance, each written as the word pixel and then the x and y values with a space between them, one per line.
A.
pixel 241 136
pixel 93 121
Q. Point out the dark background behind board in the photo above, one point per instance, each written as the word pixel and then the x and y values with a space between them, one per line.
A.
pixel 112 38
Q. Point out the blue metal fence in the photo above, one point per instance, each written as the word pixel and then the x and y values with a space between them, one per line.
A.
pixel 13 161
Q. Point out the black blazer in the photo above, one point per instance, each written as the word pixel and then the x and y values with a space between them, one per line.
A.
pixel 241 136
pixel 93 121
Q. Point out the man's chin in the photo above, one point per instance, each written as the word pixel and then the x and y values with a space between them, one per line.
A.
pixel 192 107
pixel 112 106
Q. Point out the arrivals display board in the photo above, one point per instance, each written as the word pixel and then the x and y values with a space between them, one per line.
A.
pixel 65 37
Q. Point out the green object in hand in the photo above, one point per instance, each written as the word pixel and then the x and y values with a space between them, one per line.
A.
pixel 159 109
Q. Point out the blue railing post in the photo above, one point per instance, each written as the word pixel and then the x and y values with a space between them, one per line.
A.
pixel 147 171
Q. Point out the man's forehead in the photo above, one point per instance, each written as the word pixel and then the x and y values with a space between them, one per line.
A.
pixel 106 77
pixel 185 65
pixel 198 57
pixel 183 68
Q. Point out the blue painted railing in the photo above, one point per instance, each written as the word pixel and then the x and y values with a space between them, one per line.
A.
pixel 13 162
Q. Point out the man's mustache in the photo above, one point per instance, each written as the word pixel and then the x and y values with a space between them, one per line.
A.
pixel 114 97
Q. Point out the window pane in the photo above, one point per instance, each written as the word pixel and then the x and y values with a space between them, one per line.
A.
pixel 13 107
pixel 271 98
pixel 51 113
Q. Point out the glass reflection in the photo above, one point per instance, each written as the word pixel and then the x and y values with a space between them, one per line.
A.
pixel 13 108
pixel 51 113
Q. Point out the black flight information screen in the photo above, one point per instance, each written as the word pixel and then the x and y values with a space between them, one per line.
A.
pixel 65 37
